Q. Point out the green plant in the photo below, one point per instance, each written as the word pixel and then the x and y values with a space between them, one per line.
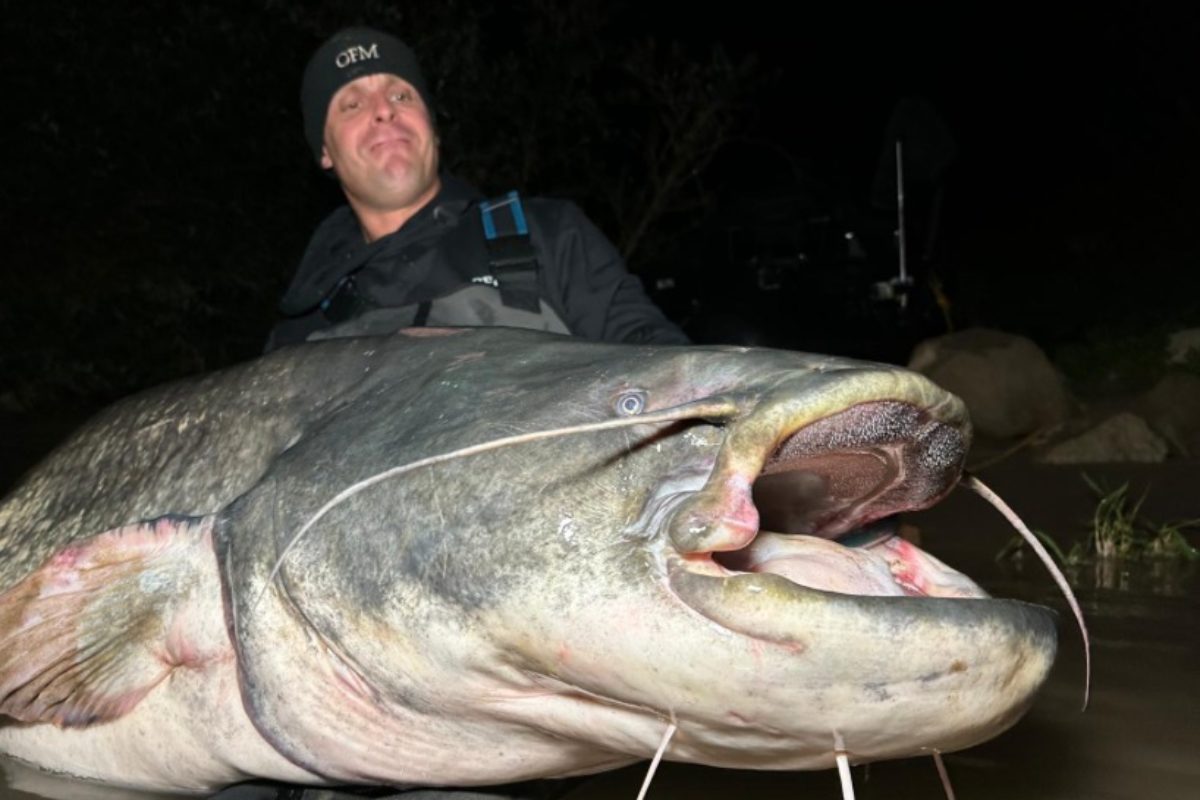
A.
pixel 1168 541
pixel 1114 522
pixel 1119 530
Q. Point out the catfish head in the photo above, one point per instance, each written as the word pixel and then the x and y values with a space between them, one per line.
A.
pixel 513 555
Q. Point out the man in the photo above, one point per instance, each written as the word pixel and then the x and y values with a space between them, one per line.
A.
pixel 417 247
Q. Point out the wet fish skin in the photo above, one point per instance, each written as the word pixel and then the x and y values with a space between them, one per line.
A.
pixel 547 607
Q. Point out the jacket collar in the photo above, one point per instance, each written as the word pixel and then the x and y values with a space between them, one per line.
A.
pixel 337 247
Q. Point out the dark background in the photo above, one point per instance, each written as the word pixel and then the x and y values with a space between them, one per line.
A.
pixel 157 192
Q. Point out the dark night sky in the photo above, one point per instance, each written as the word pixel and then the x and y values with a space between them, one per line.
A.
pixel 1051 105
pixel 1077 137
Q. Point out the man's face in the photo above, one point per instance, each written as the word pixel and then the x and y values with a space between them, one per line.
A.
pixel 380 142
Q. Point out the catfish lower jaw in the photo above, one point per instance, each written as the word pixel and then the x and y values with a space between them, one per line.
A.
pixel 762 590
pixel 758 605
pixel 871 562
pixel 784 576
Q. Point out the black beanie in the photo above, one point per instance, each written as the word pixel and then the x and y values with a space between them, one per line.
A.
pixel 346 56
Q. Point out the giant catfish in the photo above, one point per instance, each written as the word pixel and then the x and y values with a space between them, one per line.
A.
pixel 480 556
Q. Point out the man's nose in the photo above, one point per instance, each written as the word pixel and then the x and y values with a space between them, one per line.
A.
pixel 382 108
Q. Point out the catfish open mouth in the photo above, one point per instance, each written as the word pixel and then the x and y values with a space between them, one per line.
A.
pixel 827 500
pixel 875 560
pixel 823 502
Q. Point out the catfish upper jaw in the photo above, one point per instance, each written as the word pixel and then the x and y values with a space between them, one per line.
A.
pixel 813 476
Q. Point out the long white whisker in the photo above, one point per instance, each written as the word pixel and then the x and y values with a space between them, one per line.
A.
pixel 662 748
pixel 843 765
pixel 983 491
pixel 945 776
pixel 712 408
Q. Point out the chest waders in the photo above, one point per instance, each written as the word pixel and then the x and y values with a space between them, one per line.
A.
pixel 506 295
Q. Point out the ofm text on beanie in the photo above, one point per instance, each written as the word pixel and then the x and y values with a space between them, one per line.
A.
pixel 346 56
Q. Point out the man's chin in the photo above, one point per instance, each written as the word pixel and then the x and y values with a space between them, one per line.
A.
pixel 394 192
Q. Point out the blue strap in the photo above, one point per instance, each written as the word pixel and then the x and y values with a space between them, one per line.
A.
pixel 509 222
pixel 518 214
pixel 511 257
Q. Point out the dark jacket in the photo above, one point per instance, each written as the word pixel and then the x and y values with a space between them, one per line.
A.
pixel 442 248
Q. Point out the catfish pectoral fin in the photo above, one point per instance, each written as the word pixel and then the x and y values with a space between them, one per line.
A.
pixel 90 633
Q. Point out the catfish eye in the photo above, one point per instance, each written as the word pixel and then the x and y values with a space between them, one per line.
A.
pixel 631 403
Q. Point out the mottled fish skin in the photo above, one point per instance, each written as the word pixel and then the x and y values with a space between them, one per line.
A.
pixel 537 609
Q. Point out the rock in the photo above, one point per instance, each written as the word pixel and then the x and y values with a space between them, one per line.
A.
pixel 1172 408
pixel 1183 345
pixel 1008 384
pixel 1123 437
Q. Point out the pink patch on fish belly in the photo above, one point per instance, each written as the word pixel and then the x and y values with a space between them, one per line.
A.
pixel 905 567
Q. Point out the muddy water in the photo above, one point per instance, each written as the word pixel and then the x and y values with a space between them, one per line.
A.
pixel 1139 738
